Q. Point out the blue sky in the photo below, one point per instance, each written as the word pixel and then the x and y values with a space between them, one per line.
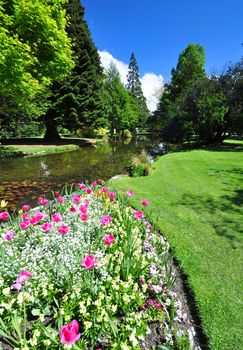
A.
pixel 158 30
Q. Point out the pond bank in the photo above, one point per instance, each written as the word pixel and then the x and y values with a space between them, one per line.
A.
pixel 14 148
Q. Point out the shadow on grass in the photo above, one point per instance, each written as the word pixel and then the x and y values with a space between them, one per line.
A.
pixel 223 214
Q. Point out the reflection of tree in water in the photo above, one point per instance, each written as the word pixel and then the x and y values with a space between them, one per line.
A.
pixel 39 176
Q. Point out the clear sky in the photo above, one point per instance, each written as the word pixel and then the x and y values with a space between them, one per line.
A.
pixel 158 30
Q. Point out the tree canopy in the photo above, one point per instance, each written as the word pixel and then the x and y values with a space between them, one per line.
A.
pixel 34 46
pixel 135 89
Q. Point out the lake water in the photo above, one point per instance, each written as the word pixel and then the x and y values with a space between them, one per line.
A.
pixel 24 179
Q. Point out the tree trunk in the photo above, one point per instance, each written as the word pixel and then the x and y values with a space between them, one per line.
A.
pixel 51 132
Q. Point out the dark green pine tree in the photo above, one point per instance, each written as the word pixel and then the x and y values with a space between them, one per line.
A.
pixel 76 102
pixel 135 89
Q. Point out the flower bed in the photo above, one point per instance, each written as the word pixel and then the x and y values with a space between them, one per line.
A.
pixel 85 271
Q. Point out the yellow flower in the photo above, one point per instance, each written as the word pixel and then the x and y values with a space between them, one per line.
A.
pixel 3 203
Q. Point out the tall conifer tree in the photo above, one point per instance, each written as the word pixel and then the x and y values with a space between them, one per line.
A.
pixel 76 102
pixel 135 89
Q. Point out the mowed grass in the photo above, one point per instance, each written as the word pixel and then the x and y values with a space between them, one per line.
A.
pixel 39 149
pixel 196 201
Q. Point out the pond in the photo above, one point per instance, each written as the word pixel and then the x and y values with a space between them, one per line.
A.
pixel 23 179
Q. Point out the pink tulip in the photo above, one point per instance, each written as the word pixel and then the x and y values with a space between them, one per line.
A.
pixel 34 221
pixel 84 217
pixel 89 191
pixel 150 227
pixel 73 210
pixel 145 202
pixel 24 225
pixel 138 214
pixel 37 218
pixel 9 235
pixel 93 183
pixel 43 201
pixel 69 333
pixel 25 207
pixel 112 196
pixel 46 227
pixel 81 186
pixel 60 199
pixel 86 202
pixel 23 276
pixel 57 217
pixel 76 199
pixel 40 199
pixel 99 181
pixel 89 261
pixel 56 193
pixel 25 217
pixel 41 216
pixel 16 286
pixel 105 220
pixel 104 189
pixel 4 216
pixel 63 229
pixel 83 209
pixel 130 193
pixel 109 239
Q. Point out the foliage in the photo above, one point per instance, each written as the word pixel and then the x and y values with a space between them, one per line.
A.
pixel 121 108
pixel 76 102
pixel 140 165
pixel 135 89
pixel 189 70
pixel 200 108
pixel 73 259
pixel 34 47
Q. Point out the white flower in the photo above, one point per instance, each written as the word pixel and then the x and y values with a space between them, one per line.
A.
pixel 6 291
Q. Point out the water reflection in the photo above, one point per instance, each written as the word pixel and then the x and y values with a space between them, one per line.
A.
pixel 23 179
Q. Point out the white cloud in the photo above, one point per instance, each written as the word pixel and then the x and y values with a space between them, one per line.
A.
pixel 152 86
pixel 151 83
pixel 107 59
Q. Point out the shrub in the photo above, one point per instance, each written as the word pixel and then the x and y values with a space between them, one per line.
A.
pixel 140 165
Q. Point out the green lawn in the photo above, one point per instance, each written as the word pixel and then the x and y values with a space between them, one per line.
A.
pixel 34 150
pixel 196 201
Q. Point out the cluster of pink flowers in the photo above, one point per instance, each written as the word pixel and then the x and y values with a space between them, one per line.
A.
pixel 43 201
pixel 22 277
pixel 151 303
pixel 27 222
